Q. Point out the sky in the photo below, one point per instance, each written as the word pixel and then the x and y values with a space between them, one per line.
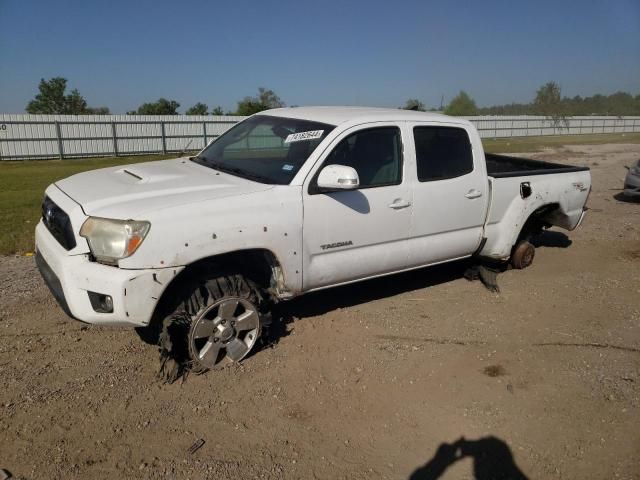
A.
pixel 120 54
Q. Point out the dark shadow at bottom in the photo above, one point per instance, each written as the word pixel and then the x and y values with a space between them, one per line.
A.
pixel 622 197
pixel 492 460
pixel 551 238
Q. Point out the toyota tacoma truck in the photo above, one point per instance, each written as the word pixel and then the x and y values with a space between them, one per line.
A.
pixel 286 202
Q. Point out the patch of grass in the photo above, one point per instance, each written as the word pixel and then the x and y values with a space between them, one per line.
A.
pixel 22 186
pixel 537 144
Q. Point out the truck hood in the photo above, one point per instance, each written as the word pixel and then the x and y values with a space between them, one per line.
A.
pixel 129 191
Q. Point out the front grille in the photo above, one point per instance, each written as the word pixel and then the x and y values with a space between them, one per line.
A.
pixel 58 223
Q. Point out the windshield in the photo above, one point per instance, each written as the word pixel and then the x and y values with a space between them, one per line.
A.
pixel 265 149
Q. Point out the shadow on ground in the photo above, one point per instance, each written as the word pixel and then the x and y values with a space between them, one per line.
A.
pixel 551 238
pixel 621 197
pixel 324 301
pixel 492 460
pixel 318 303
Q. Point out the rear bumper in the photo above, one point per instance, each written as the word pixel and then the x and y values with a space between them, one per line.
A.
pixel 135 293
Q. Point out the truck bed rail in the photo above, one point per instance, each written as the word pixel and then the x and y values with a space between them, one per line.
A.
pixel 502 166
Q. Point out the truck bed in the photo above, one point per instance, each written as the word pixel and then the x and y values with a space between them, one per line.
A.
pixel 501 166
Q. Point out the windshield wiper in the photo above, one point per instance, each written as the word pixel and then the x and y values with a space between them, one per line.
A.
pixel 198 159
pixel 240 173
pixel 231 170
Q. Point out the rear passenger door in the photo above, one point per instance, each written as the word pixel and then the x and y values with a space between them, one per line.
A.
pixel 450 191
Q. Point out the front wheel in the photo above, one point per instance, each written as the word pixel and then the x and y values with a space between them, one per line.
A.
pixel 218 319
pixel 227 328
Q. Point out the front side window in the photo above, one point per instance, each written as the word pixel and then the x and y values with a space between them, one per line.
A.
pixel 265 149
pixel 375 153
pixel 442 152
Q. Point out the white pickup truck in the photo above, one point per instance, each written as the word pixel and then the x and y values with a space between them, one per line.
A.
pixel 286 202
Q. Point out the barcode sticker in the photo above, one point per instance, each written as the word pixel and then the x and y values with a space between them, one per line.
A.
pixel 300 136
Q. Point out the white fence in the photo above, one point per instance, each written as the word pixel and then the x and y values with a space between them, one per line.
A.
pixel 73 136
pixel 527 125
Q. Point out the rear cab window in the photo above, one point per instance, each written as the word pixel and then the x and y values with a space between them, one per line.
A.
pixel 442 153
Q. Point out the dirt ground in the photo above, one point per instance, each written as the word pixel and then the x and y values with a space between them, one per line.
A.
pixel 422 375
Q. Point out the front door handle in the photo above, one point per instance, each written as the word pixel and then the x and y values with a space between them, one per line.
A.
pixel 473 193
pixel 398 203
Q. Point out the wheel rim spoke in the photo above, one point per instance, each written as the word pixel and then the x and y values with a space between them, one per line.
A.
pixel 236 349
pixel 204 329
pixel 219 332
pixel 227 309
pixel 208 356
pixel 247 321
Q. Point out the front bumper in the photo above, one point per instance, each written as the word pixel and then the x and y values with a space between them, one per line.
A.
pixel 135 293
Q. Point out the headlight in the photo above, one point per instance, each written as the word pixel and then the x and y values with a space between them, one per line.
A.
pixel 111 240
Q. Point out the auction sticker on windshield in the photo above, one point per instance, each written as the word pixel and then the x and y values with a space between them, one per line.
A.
pixel 298 137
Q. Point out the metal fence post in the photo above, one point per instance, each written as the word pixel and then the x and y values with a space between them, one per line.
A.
pixel 204 133
pixel 115 139
pixel 164 139
pixel 59 137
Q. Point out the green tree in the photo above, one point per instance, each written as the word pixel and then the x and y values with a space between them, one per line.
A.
pixel 414 104
pixel 198 109
pixel 621 103
pixel 217 110
pixel 52 99
pixel 98 111
pixel 76 102
pixel 548 101
pixel 461 105
pixel 161 107
pixel 265 100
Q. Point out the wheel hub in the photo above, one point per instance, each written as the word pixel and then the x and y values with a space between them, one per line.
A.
pixel 228 328
pixel 226 333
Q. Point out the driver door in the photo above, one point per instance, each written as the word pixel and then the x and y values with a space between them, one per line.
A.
pixel 349 235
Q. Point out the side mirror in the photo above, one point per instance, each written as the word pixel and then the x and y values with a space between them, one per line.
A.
pixel 338 177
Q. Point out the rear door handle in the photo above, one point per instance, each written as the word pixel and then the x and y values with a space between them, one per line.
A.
pixel 398 203
pixel 473 193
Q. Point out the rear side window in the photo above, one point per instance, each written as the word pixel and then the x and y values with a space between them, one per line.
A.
pixel 442 152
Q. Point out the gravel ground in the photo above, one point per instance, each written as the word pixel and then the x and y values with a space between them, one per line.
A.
pixel 419 375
